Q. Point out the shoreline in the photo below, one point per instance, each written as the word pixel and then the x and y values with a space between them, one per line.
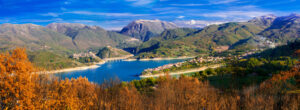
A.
pixel 118 58
pixel 96 65
pixel 159 58
pixel 181 72
pixel 93 66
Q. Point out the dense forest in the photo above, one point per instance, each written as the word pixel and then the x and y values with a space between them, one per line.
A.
pixel 21 88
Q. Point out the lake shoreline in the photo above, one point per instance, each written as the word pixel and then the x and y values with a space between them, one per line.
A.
pixel 181 72
pixel 93 66
pixel 118 58
pixel 159 58
pixel 97 65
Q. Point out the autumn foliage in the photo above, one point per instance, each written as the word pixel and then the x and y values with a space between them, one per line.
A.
pixel 21 88
pixel 16 81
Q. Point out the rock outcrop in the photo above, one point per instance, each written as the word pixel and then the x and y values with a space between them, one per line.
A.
pixel 145 29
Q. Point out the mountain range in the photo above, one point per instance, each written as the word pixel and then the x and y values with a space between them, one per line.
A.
pixel 271 30
pixel 145 29
pixel 284 29
pixel 152 38
pixel 85 37
pixel 33 37
pixel 61 36
pixel 51 46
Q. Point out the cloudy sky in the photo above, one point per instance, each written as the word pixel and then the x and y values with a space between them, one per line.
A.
pixel 114 14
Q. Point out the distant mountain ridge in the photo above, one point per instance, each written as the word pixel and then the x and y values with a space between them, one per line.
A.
pixel 84 36
pixel 284 29
pixel 160 38
pixel 52 45
pixel 271 30
pixel 33 37
pixel 61 36
pixel 195 42
pixel 146 29
pixel 265 20
pixel 146 38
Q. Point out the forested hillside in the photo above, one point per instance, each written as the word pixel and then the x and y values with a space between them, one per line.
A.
pixel 259 33
pixel 52 46
pixel 22 89
pixel 186 42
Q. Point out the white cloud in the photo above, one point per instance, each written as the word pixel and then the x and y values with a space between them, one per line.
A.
pixel 232 14
pixel 197 23
pixel 222 1
pixel 188 4
pixel 106 14
pixel 166 9
pixel 66 2
pixel 140 2
pixel 42 20
pixel 211 2
pixel 248 7
pixel 180 17
pixel 114 28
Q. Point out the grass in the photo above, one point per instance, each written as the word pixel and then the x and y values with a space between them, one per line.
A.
pixel 50 61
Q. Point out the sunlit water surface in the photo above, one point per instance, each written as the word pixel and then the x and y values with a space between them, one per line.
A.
pixel 123 70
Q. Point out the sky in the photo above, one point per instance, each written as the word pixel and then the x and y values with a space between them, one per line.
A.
pixel 115 14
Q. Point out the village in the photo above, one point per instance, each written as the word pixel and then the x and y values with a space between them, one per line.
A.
pixel 197 60
pixel 82 55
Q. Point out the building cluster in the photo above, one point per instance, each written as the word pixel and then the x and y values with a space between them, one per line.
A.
pixel 206 59
pixel 82 55
pixel 195 60
pixel 265 42
pixel 165 67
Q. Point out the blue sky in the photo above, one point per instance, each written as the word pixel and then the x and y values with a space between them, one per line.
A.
pixel 114 14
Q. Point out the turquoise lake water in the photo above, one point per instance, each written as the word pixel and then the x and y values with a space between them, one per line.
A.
pixel 123 70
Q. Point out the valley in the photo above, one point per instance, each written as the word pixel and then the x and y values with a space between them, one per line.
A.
pixel 69 45
pixel 149 55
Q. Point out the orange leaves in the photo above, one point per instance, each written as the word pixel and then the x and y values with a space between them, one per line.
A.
pixel 283 76
pixel 297 53
pixel 16 81
pixel 70 94
pixel 281 82
pixel 19 89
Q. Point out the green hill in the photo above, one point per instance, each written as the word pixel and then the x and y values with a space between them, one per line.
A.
pixel 34 37
pixel 188 42
pixel 51 61
pixel 258 33
pixel 64 39
pixel 50 47
pixel 256 42
pixel 110 52
pixel 86 37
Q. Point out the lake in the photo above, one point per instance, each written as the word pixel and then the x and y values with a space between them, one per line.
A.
pixel 123 70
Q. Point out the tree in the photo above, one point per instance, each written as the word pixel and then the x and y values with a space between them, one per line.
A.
pixel 16 80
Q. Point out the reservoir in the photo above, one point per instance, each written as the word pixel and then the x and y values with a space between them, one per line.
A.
pixel 121 69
